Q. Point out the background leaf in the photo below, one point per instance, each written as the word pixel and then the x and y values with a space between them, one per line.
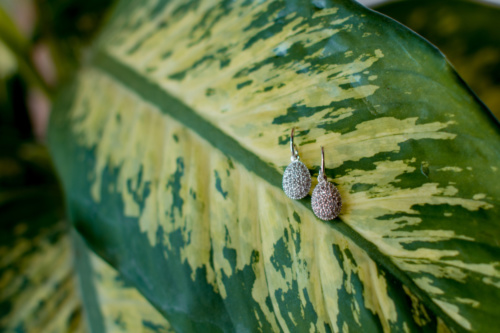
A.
pixel 466 32
pixel 172 143
pixel 38 289
pixel 68 27
pixel 37 283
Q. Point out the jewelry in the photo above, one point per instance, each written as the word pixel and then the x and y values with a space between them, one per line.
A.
pixel 326 202
pixel 296 179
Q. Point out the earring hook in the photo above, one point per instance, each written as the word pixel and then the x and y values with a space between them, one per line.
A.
pixel 293 147
pixel 322 175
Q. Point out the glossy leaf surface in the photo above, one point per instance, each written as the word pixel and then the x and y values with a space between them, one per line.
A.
pixel 466 31
pixel 172 143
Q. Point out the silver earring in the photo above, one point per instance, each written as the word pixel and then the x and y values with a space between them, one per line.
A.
pixel 326 202
pixel 296 179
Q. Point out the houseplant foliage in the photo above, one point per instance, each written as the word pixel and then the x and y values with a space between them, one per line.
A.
pixel 38 286
pixel 464 31
pixel 39 291
pixel 37 283
pixel 171 144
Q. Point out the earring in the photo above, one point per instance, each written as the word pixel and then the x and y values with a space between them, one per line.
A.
pixel 296 179
pixel 326 202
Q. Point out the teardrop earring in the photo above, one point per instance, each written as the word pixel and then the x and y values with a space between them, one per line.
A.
pixel 296 178
pixel 326 202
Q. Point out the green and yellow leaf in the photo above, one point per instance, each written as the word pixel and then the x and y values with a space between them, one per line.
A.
pixel 38 289
pixel 172 142
pixel 7 62
pixel 124 309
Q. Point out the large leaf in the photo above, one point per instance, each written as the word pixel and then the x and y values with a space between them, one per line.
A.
pixel 466 32
pixel 172 142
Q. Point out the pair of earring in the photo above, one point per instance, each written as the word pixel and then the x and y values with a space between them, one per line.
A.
pixel 325 200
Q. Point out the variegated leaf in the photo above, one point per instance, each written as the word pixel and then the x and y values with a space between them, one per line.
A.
pixel 38 289
pixel 116 305
pixel 172 142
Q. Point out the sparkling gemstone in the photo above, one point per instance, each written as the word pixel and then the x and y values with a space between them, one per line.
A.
pixel 326 202
pixel 296 180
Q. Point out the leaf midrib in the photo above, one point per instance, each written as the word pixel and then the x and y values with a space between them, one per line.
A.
pixel 171 106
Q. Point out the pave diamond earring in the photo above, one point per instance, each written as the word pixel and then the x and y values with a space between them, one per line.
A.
pixel 296 179
pixel 326 202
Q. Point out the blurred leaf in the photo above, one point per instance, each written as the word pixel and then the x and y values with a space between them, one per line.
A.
pixel 11 35
pixel 467 32
pixel 172 142
pixel 38 291
pixel 8 64
pixel 66 20
pixel 68 27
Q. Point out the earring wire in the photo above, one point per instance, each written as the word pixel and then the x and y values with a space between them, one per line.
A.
pixel 293 148
pixel 322 175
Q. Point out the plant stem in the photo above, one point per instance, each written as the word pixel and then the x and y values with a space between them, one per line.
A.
pixel 21 49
